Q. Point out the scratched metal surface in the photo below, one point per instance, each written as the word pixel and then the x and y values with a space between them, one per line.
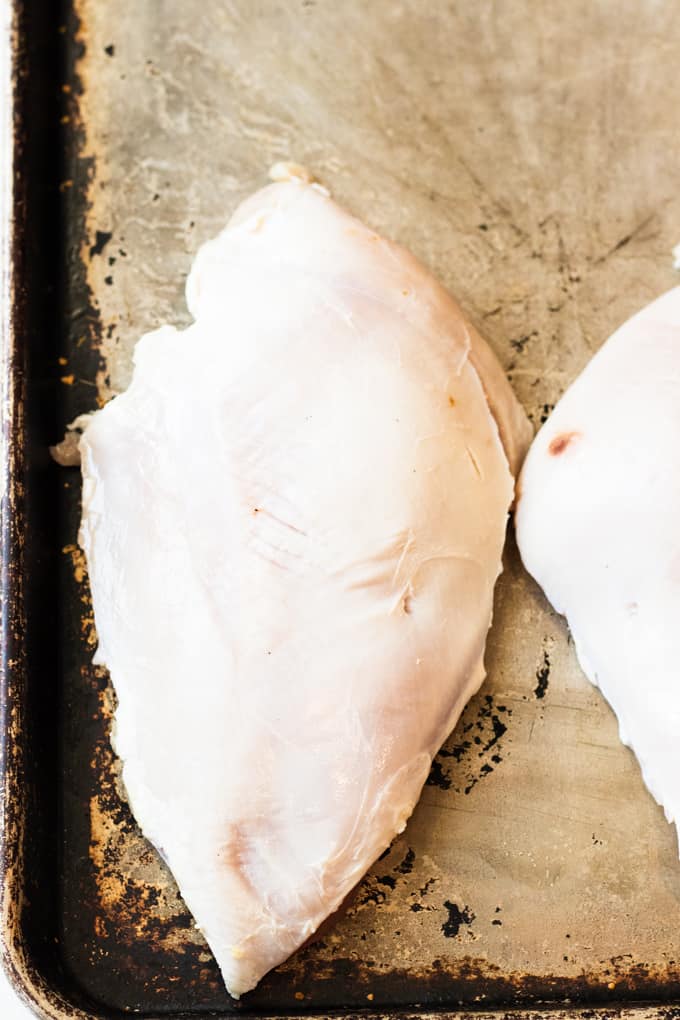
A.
pixel 528 154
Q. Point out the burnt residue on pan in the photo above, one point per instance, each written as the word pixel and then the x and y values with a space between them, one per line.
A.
pixel 472 982
pixel 475 748
pixel 31 607
pixel 542 676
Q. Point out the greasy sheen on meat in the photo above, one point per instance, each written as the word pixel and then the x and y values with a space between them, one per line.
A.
pixel 293 521
pixel 598 526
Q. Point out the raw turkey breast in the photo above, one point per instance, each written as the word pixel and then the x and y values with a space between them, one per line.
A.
pixel 294 520
pixel 598 526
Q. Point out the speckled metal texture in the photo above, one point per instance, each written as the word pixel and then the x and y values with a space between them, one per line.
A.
pixel 527 152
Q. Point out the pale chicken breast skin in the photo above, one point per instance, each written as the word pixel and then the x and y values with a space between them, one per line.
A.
pixel 598 526
pixel 293 521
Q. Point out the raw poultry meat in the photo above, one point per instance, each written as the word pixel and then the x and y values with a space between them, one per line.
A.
pixel 598 526
pixel 293 521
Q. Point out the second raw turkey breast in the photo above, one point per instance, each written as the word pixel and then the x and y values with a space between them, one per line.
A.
pixel 598 526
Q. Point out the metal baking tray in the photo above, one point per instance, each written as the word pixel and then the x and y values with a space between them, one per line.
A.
pixel 528 153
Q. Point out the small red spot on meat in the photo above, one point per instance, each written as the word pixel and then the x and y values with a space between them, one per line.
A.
pixel 560 443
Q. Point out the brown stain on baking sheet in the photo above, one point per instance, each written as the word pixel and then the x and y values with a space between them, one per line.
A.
pixel 458 918
pixel 474 981
pixel 79 567
pixel 542 676
pixel 475 748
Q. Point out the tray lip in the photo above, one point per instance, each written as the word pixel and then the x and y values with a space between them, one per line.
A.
pixel 30 986
pixel 29 983
pixel 9 63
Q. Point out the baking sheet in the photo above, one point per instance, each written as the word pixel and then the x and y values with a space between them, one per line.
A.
pixel 528 154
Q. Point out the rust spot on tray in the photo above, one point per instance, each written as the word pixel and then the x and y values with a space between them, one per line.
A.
pixel 79 567
pixel 542 676
pixel 469 980
pixel 475 749
pixel 458 917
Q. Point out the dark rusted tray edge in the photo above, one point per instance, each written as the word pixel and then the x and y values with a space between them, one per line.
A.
pixel 26 977
pixel 26 981
pixel 11 467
